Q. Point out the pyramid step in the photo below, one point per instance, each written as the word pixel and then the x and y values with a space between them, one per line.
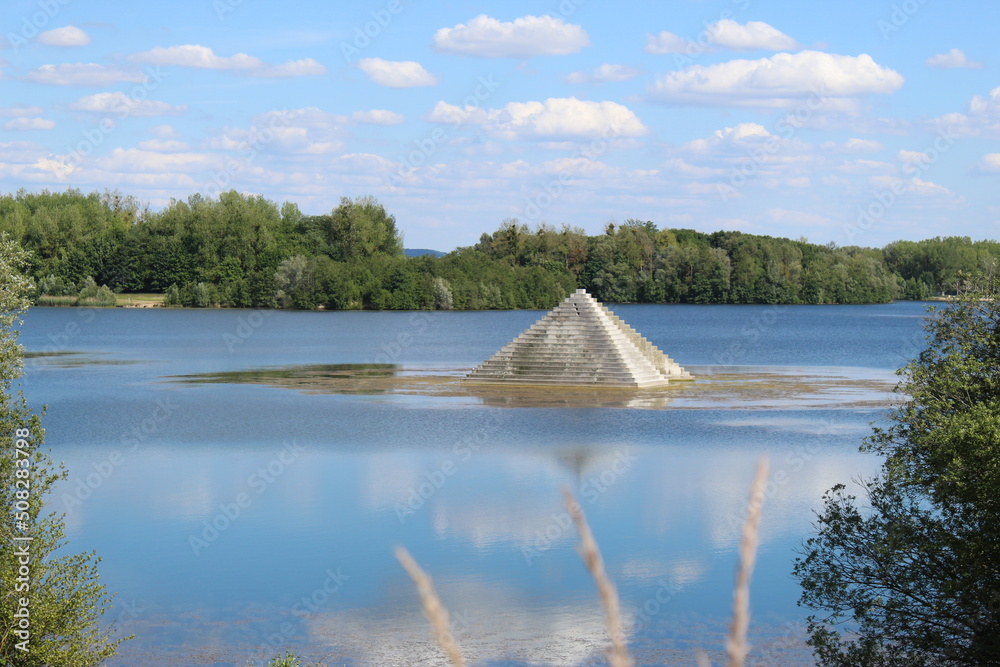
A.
pixel 571 382
pixel 572 379
pixel 578 369
pixel 591 380
pixel 566 373
pixel 581 377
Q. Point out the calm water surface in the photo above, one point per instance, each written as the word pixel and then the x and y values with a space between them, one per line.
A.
pixel 237 521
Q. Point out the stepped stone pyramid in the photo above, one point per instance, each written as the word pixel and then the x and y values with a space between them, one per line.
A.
pixel 581 344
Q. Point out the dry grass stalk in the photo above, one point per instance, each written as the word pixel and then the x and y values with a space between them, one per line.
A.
pixel 433 609
pixel 618 656
pixel 736 642
pixel 702 659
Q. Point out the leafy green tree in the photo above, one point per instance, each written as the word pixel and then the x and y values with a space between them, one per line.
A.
pixel 51 604
pixel 911 570
pixel 337 288
pixel 443 299
pixel 295 283
pixel 404 289
pixel 172 296
pixel 360 228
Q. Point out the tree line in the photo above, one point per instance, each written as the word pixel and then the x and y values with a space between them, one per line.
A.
pixel 246 251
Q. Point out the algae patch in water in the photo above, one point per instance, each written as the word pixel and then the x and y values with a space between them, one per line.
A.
pixel 72 359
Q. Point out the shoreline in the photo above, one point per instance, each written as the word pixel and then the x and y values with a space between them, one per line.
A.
pixel 161 306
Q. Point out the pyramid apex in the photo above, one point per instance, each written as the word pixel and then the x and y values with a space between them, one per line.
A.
pixel 581 291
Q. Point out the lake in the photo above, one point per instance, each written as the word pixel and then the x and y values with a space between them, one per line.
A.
pixel 246 492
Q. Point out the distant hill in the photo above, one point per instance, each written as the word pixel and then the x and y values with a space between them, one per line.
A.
pixel 417 252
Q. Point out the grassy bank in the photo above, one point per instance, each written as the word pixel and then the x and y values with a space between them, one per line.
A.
pixel 117 300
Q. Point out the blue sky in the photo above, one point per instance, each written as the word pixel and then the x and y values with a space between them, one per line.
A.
pixel 856 123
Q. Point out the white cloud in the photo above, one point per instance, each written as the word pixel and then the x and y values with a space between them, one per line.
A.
pixel 396 74
pixel 928 189
pixel 303 67
pixel 724 33
pixel 786 216
pixel 378 117
pixel 569 118
pixel 982 118
pixel 954 59
pixel 752 153
pixel 853 145
pixel 981 106
pixel 67 36
pixel 603 74
pixel 776 81
pixel 29 124
pixel 455 115
pixel 913 157
pixel 164 145
pixel 307 131
pixel 136 160
pixel 741 140
pixel 57 167
pixel 684 169
pixel 202 57
pixel 667 42
pixel 835 181
pixel 196 56
pixel 363 164
pixel 524 37
pixel 165 131
pixel 20 152
pixel 916 186
pixel 83 74
pixel 119 103
pixel 862 167
pixel 755 35
pixel 578 167
pixel 990 163
pixel 21 111
pixel 555 118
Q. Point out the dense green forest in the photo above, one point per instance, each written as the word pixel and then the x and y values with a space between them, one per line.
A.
pixel 246 251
